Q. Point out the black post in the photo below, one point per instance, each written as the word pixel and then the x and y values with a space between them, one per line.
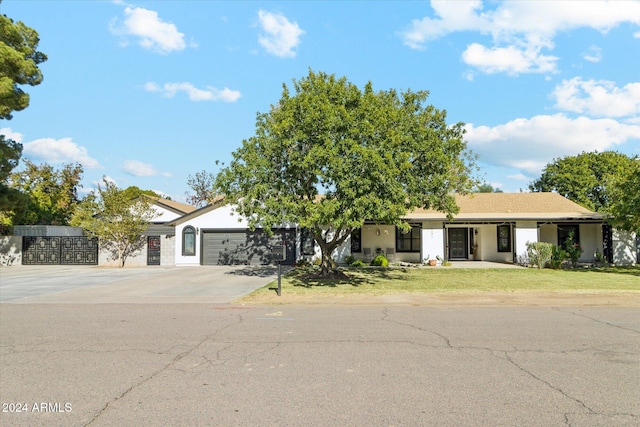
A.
pixel 279 284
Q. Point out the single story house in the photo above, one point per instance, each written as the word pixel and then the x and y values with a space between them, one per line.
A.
pixel 489 227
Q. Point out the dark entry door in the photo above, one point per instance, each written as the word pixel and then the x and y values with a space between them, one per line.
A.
pixel 458 243
pixel 153 250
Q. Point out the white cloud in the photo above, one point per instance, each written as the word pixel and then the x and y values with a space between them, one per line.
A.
pixel 511 60
pixel 169 90
pixel 151 31
pixel 9 134
pixel 453 17
pixel 593 54
pixel 529 144
pixel 62 150
pixel 280 37
pixel 137 168
pixel 519 177
pixel 519 29
pixel 598 97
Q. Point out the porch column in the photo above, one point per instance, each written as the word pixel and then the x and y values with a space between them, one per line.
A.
pixel 525 232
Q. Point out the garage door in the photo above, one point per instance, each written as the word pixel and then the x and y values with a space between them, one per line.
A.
pixel 244 247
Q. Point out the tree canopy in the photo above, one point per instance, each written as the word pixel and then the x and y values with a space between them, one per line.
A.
pixel 486 188
pixel 588 178
pixel 329 156
pixel 133 192
pixel 202 191
pixel 52 194
pixel 13 202
pixel 625 205
pixel 115 219
pixel 18 64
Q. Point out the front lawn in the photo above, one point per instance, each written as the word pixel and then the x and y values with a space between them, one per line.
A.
pixel 381 281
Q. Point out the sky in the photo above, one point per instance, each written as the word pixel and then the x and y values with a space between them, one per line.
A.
pixel 146 93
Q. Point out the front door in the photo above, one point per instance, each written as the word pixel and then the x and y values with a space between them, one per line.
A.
pixel 458 243
pixel 153 250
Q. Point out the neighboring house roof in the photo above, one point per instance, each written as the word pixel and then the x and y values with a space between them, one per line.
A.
pixel 511 206
pixel 177 207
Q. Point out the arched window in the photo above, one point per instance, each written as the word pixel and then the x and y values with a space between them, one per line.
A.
pixel 188 241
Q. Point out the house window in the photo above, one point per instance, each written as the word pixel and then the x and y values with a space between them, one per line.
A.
pixel 565 230
pixel 408 241
pixel 356 241
pixel 307 242
pixel 188 241
pixel 504 238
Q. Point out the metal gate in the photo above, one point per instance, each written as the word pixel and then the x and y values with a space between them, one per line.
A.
pixel 153 250
pixel 58 250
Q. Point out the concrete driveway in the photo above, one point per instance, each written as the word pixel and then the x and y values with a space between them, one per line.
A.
pixel 86 285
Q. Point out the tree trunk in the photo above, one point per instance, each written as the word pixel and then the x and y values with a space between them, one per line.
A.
pixel 327 264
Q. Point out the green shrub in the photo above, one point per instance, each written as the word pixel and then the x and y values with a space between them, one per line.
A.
pixel 380 261
pixel 574 250
pixel 303 263
pixel 558 256
pixel 539 253
pixel 349 259
pixel 358 263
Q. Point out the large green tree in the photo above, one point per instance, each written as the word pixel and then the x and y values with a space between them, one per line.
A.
pixel 19 60
pixel 587 178
pixel 625 205
pixel 115 219
pixel 13 203
pixel 329 156
pixel 52 194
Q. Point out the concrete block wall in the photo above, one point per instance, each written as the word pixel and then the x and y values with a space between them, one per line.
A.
pixel 167 250
pixel 10 250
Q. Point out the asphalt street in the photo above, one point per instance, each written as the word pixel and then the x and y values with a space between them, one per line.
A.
pixel 228 365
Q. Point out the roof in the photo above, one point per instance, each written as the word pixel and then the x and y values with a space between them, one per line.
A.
pixel 511 206
pixel 217 202
pixel 177 207
pixel 482 207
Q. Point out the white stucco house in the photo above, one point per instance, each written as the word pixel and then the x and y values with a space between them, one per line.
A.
pixel 489 227
pixel 160 238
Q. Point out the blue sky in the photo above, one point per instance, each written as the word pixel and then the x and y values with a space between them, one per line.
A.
pixel 149 92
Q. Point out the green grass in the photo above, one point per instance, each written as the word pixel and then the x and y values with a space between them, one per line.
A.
pixel 380 281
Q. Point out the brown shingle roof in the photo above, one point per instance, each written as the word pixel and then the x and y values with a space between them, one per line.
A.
pixel 173 205
pixel 510 206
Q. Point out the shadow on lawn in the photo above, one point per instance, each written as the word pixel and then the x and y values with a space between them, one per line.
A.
pixel 342 277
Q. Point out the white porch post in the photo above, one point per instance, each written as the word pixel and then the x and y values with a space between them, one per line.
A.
pixel 525 232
